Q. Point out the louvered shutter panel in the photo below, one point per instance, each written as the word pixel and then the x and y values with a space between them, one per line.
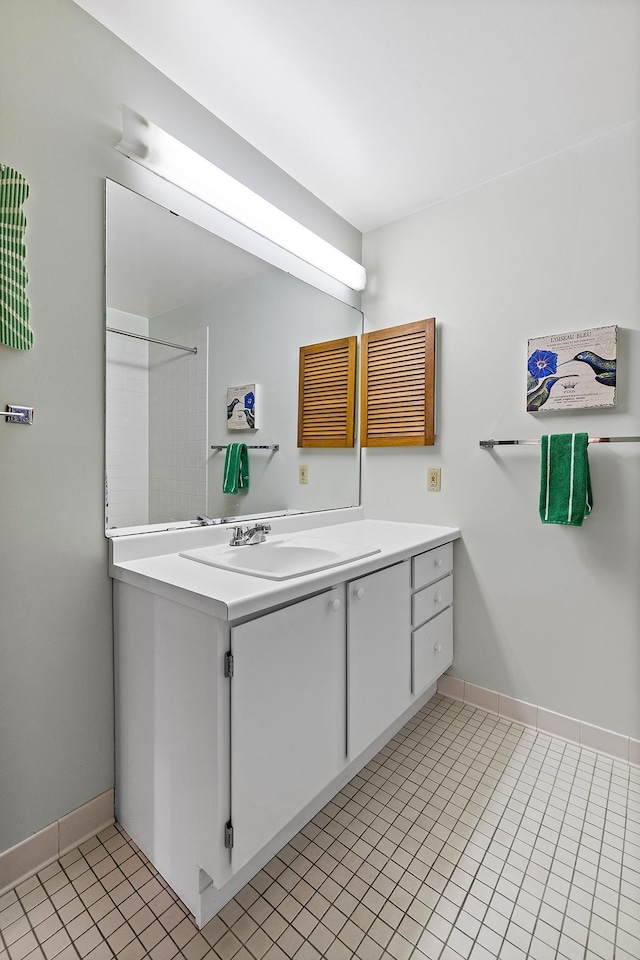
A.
pixel 398 367
pixel 326 394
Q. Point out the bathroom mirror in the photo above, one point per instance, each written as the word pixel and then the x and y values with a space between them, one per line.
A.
pixel 225 318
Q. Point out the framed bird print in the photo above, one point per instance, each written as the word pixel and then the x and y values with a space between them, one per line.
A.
pixel 242 409
pixel 572 371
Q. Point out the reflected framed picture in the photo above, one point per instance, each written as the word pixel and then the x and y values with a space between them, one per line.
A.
pixel 572 371
pixel 242 407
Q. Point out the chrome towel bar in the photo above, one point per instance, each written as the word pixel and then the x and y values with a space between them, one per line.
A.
pixel 501 443
pixel 17 414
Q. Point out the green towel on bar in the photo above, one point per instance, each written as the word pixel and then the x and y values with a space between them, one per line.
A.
pixel 565 484
pixel 236 468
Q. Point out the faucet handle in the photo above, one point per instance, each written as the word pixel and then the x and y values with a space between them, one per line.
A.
pixel 237 536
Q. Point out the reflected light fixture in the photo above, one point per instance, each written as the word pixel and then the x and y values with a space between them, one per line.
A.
pixel 158 151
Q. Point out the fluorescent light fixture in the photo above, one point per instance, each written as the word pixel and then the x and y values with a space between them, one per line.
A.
pixel 158 151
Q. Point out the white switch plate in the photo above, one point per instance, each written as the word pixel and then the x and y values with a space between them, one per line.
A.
pixel 303 473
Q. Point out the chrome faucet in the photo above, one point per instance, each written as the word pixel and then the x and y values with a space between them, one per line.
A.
pixel 249 535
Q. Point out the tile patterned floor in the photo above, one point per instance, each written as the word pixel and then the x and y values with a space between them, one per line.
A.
pixel 467 838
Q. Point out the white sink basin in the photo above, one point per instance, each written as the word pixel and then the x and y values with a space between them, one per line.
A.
pixel 281 559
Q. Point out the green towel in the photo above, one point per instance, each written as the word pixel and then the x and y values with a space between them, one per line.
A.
pixel 14 303
pixel 565 484
pixel 236 468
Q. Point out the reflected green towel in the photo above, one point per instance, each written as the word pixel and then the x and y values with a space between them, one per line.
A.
pixel 565 483
pixel 236 468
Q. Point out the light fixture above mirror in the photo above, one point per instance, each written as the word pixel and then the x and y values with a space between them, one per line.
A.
pixel 158 151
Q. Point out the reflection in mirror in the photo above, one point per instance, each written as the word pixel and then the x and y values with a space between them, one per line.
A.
pixel 225 319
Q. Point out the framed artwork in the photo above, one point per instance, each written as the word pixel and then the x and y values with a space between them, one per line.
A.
pixel 242 408
pixel 572 371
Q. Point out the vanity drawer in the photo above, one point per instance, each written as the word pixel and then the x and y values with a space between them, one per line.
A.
pixel 430 566
pixel 432 600
pixel 431 651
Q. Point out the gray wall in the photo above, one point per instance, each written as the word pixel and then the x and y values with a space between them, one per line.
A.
pixel 62 79
pixel 547 614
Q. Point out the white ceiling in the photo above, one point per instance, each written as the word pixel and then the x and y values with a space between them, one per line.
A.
pixel 382 107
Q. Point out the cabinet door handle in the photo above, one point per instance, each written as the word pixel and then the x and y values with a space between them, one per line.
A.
pixel 334 604
pixel 437 648
pixel 358 593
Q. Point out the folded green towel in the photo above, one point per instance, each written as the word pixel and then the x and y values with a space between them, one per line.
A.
pixel 565 484
pixel 236 468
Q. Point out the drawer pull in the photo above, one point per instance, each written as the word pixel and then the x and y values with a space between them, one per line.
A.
pixel 437 598
pixel 359 593
pixel 334 605
pixel 437 648
pixel 437 562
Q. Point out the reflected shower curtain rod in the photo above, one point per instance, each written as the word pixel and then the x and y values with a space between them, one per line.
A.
pixel 164 343
pixel 501 443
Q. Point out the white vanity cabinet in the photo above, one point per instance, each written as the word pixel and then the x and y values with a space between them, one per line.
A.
pixel 243 706
pixel 287 716
pixel 379 653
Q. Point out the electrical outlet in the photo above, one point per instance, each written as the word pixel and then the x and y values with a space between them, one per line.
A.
pixel 433 479
pixel 303 473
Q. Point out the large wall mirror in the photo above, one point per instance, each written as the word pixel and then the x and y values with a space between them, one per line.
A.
pixel 225 318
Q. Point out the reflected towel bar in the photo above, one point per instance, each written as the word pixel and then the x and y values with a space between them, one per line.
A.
pixel 163 343
pixel 250 446
pixel 500 443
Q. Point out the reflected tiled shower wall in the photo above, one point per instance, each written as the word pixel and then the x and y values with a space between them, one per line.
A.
pixel 178 431
pixel 127 430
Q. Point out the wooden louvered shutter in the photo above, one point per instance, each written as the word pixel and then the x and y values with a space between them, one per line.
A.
pixel 326 394
pixel 398 367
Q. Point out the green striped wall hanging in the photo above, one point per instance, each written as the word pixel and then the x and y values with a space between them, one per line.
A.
pixel 14 303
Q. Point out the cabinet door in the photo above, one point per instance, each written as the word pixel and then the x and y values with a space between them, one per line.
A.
pixel 379 653
pixel 288 704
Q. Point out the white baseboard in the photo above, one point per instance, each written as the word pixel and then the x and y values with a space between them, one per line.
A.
pixel 36 852
pixel 556 724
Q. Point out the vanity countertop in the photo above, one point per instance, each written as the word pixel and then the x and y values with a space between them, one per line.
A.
pixel 231 596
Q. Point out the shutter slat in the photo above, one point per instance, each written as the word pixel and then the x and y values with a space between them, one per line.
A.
pixel 396 348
